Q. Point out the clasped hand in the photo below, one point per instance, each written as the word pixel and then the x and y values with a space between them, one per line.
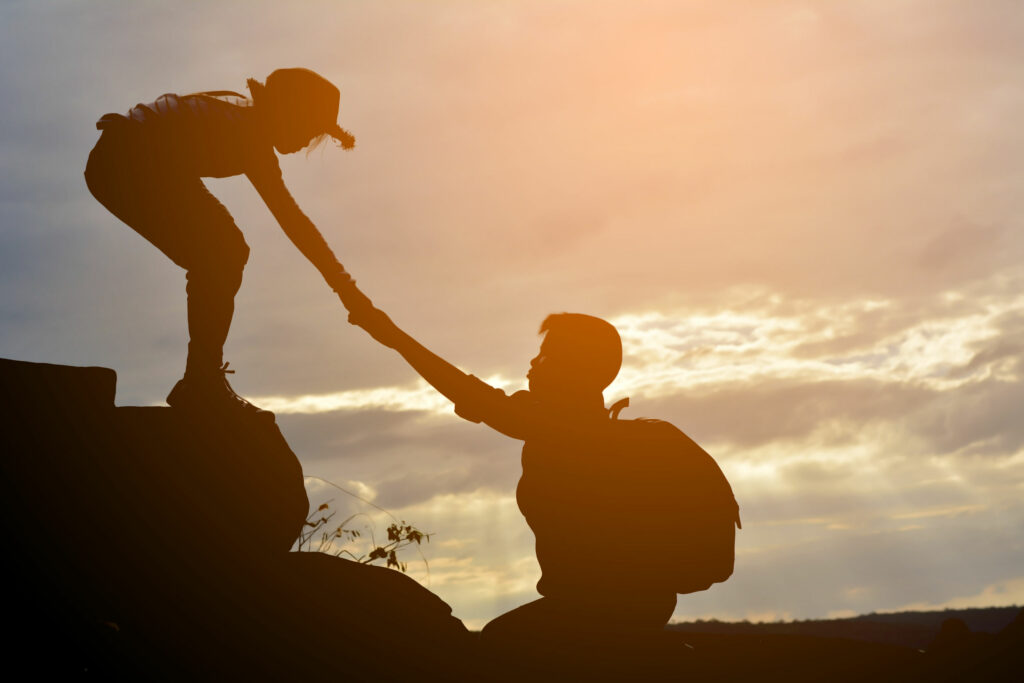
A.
pixel 363 313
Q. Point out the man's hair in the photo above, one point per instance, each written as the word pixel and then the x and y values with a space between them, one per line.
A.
pixel 595 344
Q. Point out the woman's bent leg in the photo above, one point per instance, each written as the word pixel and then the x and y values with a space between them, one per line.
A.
pixel 178 215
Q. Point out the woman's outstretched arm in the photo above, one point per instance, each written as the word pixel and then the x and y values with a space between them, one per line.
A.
pixel 298 227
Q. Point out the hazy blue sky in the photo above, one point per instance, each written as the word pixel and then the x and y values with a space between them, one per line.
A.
pixel 803 216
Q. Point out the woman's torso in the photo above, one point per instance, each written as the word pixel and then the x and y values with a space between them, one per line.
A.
pixel 205 134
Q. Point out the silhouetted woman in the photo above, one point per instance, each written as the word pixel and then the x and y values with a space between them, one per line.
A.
pixel 147 167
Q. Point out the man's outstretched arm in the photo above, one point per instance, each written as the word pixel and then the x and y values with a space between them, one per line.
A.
pixel 474 399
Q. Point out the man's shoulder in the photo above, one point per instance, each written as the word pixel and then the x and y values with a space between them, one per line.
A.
pixel 523 396
pixel 478 399
pixel 483 389
pixel 509 414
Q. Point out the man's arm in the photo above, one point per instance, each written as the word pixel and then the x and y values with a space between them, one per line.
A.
pixel 474 399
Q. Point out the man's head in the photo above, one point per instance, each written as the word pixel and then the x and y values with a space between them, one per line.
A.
pixel 580 355
pixel 303 108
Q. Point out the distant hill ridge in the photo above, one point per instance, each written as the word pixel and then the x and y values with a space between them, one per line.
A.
pixel 910 629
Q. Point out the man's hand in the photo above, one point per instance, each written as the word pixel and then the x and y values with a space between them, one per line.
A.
pixel 354 300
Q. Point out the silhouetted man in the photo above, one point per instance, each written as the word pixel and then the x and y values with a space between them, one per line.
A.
pixel 573 473
pixel 147 167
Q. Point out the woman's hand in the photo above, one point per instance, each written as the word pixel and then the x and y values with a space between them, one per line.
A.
pixel 378 325
pixel 363 313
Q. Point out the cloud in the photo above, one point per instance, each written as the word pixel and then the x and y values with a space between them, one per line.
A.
pixel 863 570
pixel 961 244
pixel 420 397
pixel 941 370
pixel 999 594
pixel 407 457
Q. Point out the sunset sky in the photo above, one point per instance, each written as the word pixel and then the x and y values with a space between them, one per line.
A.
pixel 803 217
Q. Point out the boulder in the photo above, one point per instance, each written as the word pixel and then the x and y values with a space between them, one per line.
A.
pixel 148 543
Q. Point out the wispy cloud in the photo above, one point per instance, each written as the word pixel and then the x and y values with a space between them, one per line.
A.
pixel 856 361
pixel 999 594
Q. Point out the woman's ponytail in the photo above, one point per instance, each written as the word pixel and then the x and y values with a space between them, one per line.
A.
pixel 256 89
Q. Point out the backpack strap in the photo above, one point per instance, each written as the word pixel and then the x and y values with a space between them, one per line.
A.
pixel 617 407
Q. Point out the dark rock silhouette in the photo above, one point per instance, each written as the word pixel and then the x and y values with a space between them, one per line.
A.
pixel 868 650
pixel 912 629
pixel 959 654
pixel 148 543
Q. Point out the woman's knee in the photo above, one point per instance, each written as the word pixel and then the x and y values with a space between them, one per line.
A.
pixel 234 251
pixel 222 248
pixel 236 255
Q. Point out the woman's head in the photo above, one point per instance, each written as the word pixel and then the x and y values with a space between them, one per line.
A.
pixel 302 107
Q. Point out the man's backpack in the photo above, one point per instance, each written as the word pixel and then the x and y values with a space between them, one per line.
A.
pixel 683 512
